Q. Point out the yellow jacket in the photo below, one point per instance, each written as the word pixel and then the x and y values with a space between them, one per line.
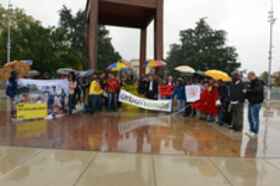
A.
pixel 95 88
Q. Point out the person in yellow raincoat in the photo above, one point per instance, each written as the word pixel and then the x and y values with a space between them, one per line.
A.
pixel 95 96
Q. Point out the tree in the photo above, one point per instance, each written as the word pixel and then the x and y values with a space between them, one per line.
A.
pixel 74 27
pixel 203 48
pixel 276 78
pixel 51 48
pixel 30 40
pixel 264 77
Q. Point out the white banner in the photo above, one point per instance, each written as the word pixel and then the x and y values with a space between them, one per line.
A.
pixel 154 105
pixel 52 93
pixel 46 85
pixel 193 93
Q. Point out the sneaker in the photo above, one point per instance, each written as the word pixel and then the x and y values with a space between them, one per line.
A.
pixel 251 134
pixel 254 135
pixel 248 134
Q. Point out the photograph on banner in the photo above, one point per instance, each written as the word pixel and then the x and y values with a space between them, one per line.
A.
pixel 35 95
pixel 193 93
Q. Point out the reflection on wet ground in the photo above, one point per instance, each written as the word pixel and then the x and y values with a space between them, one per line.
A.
pixel 143 132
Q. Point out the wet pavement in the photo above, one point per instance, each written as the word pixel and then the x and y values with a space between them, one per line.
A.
pixel 146 149
pixel 41 167
pixel 145 133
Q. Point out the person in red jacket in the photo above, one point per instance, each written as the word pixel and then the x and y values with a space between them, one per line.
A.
pixel 200 106
pixel 113 87
pixel 207 105
pixel 211 101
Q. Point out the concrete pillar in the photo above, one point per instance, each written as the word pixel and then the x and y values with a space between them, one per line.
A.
pixel 93 33
pixel 159 31
pixel 143 50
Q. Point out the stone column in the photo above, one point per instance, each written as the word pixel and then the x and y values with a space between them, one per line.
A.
pixel 93 33
pixel 159 31
pixel 143 50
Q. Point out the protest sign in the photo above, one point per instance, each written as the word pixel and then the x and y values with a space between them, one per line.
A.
pixel 154 105
pixel 193 93
pixel 33 94
pixel 27 111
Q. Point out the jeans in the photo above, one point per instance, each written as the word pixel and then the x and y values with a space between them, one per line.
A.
pixel 221 118
pixel 95 103
pixel 112 101
pixel 254 117
pixel 180 105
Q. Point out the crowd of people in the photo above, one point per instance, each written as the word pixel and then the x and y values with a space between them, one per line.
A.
pixel 220 102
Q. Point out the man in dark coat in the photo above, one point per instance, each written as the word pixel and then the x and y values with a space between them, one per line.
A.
pixel 152 88
pixel 237 98
pixel 255 96
pixel 224 97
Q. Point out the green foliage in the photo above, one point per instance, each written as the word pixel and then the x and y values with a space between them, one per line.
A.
pixel 276 79
pixel 203 48
pixel 53 47
pixel 74 29
pixel 264 77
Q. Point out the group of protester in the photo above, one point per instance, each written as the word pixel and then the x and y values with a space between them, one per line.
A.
pixel 221 102
pixel 98 94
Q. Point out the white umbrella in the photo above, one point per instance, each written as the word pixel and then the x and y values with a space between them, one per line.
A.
pixel 86 73
pixel 33 73
pixel 65 71
pixel 185 69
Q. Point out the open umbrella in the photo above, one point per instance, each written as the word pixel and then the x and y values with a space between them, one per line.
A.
pixel 33 73
pixel 86 73
pixel 185 69
pixel 119 66
pixel 155 63
pixel 21 68
pixel 65 71
pixel 218 75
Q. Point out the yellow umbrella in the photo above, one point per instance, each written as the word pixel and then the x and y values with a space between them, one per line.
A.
pixel 119 66
pixel 155 63
pixel 20 67
pixel 218 75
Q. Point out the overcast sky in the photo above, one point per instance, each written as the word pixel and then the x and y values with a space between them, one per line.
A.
pixel 244 20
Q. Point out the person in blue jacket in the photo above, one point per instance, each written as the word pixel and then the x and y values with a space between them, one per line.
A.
pixel 11 90
pixel 180 95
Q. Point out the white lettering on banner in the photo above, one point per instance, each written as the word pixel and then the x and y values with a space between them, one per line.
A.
pixel 193 93
pixel 154 105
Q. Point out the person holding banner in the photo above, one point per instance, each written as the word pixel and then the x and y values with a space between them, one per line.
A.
pixel 72 88
pixel 152 88
pixel 200 106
